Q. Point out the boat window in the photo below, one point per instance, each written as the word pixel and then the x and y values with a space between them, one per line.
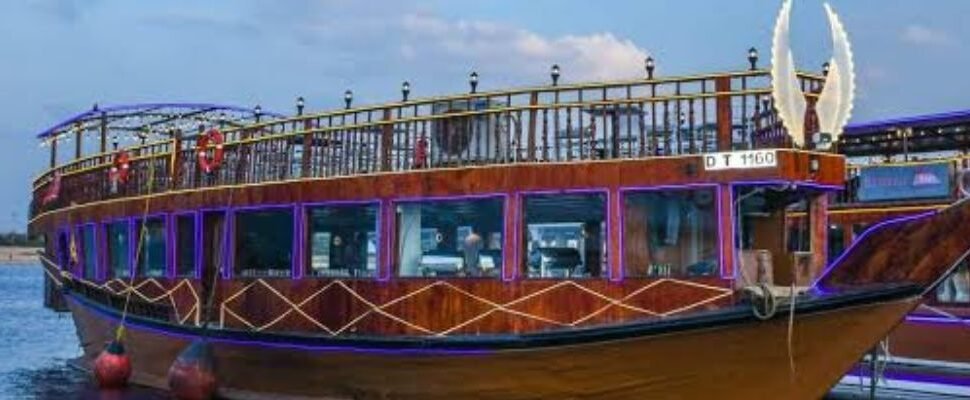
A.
pixel 185 245
pixel 564 235
pixel 150 247
pixel 89 251
pixel 955 289
pixel 670 233
pixel 263 243
pixel 342 240
pixel 836 241
pixel 119 247
pixel 450 238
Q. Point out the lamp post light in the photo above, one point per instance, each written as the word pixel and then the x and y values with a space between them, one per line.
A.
pixel 348 98
pixel 554 73
pixel 257 112
pixel 650 66
pixel 299 105
pixel 405 90
pixel 825 68
pixel 473 81
pixel 753 58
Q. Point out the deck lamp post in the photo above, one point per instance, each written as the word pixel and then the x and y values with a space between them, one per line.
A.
pixel 299 105
pixel 348 98
pixel 405 90
pixel 753 58
pixel 257 112
pixel 825 68
pixel 650 66
pixel 554 73
pixel 473 81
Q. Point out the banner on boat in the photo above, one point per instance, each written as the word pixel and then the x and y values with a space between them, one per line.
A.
pixel 904 182
pixel 740 160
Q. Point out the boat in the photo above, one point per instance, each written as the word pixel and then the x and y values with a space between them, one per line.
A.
pixel 904 168
pixel 608 240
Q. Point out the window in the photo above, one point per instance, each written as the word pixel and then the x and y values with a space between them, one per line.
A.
pixel 836 241
pixel 89 251
pixel 185 245
pixel 955 289
pixel 565 235
pixel 670 233
pixel 342 241
pixel 119 248
pixel 150 247
pixel 454 238
pixel 264 243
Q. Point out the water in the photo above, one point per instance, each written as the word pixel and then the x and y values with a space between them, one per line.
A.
pixel 36 344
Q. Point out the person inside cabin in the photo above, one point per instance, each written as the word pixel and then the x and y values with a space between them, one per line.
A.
pixel 472 247
pixel 352 257
pixel 338 256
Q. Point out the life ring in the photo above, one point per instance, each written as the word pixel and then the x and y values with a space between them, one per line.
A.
pixel 120 167
pixel 963 182
pixel 207 163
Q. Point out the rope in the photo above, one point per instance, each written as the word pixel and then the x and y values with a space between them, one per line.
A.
pixel 210 297
pixel 120 331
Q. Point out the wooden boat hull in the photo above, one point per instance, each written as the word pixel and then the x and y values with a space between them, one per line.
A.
pixel 743 360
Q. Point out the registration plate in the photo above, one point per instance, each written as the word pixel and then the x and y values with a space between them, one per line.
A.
pixel 745 159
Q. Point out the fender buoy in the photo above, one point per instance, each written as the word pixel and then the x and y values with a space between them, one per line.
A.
pixel 120 167
pixel 212 137
pixel 193 374
pixel 112 368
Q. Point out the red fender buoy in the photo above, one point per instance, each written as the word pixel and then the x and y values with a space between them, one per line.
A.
pixel 193 374
pixel 112 368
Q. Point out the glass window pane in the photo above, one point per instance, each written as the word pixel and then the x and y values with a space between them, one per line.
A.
pixel 670 233
pixel 264 243
pixel 185 245
pixel 836 242
pixel 150 251
pixel 342 241
pixel 89 250
pixel 565 235
pixel 955 289
pixel 119 244
pixel 453 238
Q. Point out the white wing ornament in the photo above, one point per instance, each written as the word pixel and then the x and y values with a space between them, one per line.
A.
pixel 834 106
pixel 785 88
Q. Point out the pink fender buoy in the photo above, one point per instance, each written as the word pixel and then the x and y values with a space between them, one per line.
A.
pixel 193 374
pixel 112 368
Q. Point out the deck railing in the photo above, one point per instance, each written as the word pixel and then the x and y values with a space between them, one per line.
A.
pixel 565 123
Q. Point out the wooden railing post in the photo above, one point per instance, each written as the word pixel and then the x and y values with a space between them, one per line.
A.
pixel 387 139
pixel 722 84
pixel 531 144
pixel 175 170
pixel 307 148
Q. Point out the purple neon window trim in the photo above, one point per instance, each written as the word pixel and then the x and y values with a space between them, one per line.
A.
pixel 139 241
pixel 915 378
pixel 294 248
pixel 485 196
pixel 509 274
pixel 873 228
pixel 608 274
pixel 624 191
pixel 937 320
pixel 378 229
pixel 134 324
pixel 386 240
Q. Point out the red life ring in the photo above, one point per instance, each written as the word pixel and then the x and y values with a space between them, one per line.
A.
pixel 206 163
pixel 120 167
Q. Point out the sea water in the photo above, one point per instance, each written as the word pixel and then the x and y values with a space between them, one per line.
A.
pixel 36 344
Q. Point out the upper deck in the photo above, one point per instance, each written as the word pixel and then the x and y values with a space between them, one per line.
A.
pixel 576 123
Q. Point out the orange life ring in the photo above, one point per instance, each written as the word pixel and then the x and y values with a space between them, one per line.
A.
pixel 120 167
pixel 212 137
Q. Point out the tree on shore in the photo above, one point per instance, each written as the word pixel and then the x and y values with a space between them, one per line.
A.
pixel 20 239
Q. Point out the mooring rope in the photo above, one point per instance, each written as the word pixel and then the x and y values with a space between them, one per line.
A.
pixel 133 270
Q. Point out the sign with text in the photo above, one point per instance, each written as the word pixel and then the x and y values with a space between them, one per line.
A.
pixel 921 181
pixel 745 159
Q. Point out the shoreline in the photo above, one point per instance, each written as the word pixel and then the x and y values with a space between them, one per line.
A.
pixel 17 255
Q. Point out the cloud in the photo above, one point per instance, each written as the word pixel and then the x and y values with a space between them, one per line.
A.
pixel 63 10
pixel 492 45
pixel 924 35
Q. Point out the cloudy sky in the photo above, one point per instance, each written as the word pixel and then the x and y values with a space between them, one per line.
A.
pixel 58 57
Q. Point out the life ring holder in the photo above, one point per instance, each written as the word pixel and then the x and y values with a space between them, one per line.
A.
pixel 120 166
pixel 206 163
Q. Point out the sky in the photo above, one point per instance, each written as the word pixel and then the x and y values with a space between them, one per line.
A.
pixel 59 57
